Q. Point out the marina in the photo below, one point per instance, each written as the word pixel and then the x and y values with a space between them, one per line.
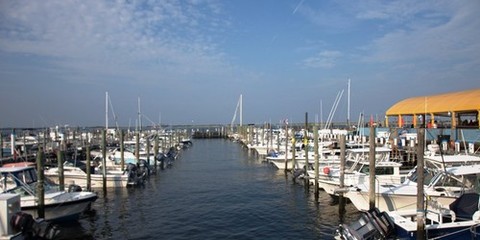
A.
pixel 212 187
pixel 242 119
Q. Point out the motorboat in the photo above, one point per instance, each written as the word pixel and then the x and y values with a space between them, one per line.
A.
pixel 443 186
pixel 59 205
pixel 75 175
pixel 458 220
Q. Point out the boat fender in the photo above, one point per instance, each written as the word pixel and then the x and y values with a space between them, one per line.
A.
pixel 476 216
pixel 326 170
pixel 74 188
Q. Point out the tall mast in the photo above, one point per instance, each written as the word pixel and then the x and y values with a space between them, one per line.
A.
pixel 106 110
pixel 348 104
pixel 241 110
pixel 139 116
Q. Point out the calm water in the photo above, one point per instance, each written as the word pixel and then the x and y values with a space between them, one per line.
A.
pixel 215 190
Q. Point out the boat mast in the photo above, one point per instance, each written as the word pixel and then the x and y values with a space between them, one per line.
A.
pixel 348 105
pixel 241 110
pixel 106 110
pixel 139 116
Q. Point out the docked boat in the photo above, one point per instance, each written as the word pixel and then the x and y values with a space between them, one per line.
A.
pixel 459 220
pixel 77 176
pixel 59 205
pixel 357 167
pixel 443 187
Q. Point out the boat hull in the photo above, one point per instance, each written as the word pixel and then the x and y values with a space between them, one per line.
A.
pixel 62 206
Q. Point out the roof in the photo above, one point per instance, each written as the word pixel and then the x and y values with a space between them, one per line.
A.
pixel 464 101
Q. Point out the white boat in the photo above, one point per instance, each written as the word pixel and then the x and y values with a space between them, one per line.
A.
pixel 386 173
pixel 459 220
pixel 75 175
pixel 357 166
pixel 59 205
pixel 443 187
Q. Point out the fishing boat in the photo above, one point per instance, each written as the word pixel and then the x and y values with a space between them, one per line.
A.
pixel 357 167
pixel 461 220
pixel 443 187
pixel 59 205
pixel 458 220
pixel 75 175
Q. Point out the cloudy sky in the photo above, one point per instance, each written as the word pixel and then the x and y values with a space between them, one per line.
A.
pixel 189 61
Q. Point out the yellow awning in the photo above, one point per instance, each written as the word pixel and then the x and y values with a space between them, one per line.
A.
pixel 464 101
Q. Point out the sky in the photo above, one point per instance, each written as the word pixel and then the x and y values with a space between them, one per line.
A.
pixel 188 62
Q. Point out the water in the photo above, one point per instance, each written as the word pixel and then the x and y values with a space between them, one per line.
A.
pixel 215 190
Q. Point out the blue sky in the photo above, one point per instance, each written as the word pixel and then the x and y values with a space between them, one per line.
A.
pixel 189 61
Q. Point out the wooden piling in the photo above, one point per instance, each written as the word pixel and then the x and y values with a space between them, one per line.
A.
pixel 40 185
pixel 315 146
pixel 148 151
pixel 420 183
pixel 371 158
pixel 61 176
pixel 341 198
pixel 137 146
pixel 305 149
pixel 104 154
pixel 286 147
pixel 155 150
pixel 1 145
pixel 89 164
pixel 294 161
pixel 122 150
pixel 25 146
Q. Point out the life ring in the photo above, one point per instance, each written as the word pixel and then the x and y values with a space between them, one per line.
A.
pixel 326 170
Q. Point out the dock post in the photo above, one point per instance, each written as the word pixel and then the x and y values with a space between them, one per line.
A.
pixel 104 154
pixel 25 146
pixel 305 149
pixel 89 164
pixel 1 145
pixel 137 146
pixel 294 161
pixel 341 198
pixel 155 150
pixel 40 185
pixel 122 150
pixel 286 147
pixel 148 151
pixel 371 158
pixel 61 176
pixel 315 147
pixel 420 183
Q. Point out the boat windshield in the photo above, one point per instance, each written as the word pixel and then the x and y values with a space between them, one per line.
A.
pixel 379 170
pixel 468 182
pixel 428 174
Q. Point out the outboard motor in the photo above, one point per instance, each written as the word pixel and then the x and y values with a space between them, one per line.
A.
pixel 161 158
pixel 143 169
pixel 132 170
pixel 31 228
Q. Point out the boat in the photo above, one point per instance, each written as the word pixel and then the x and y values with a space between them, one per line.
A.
pixel 357 167
pixel 76 175
pixel 458 220
pixel 443 186
pixel 59 205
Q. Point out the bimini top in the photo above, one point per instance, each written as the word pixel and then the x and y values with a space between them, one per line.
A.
pixel 464 101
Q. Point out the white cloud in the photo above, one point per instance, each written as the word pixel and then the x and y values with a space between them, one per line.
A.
pixel 101 35
pixel 324 59
pixel 444 32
